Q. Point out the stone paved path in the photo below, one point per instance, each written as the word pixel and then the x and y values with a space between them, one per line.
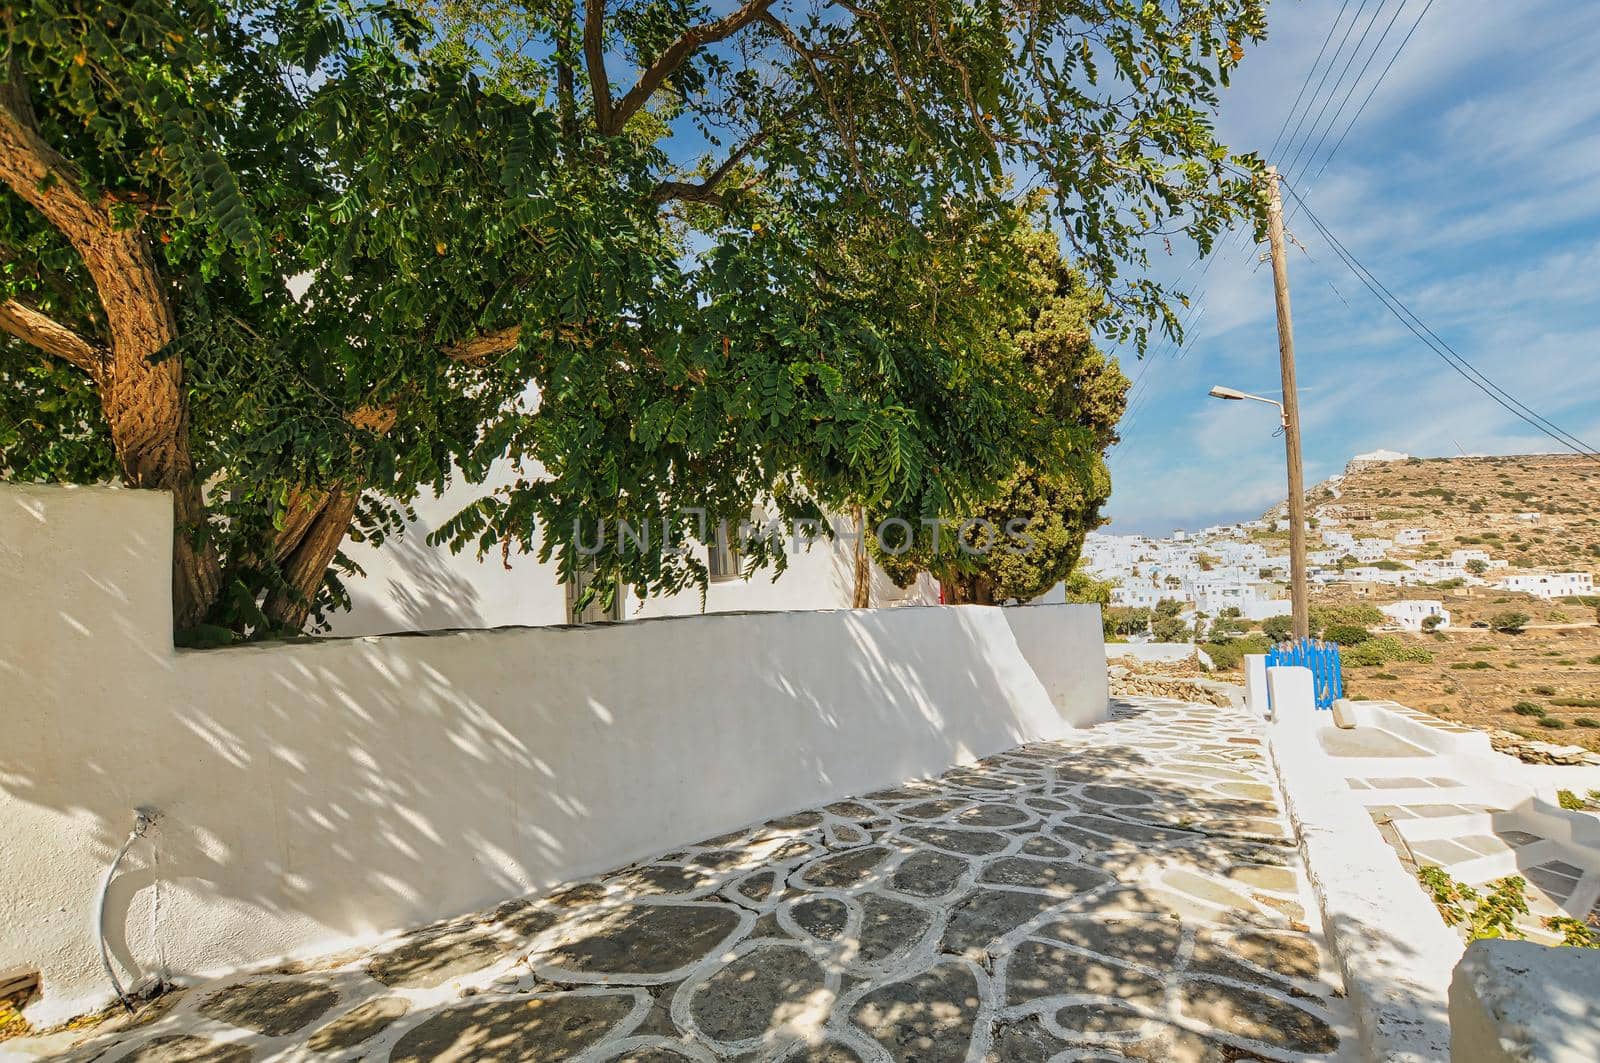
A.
pixel 1129 893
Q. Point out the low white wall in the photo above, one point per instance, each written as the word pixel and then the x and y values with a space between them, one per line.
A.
pixel 323 792
pixel 1151 651
pixel 1054 640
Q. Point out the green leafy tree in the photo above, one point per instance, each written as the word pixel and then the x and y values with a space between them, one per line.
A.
pixel 295 262
pixel 1477 566
pixel 1027 537
pixel 1278 628
pixel 1509 621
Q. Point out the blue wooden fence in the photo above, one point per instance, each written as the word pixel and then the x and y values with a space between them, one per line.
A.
pixel 1319 656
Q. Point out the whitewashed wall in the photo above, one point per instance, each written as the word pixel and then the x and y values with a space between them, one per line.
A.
pixel 323 792
pixel 410 586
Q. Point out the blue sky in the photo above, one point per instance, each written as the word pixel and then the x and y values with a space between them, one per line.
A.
pixel 1470 186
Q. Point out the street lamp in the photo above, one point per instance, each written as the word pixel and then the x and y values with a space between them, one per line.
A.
pixel 1220 392
pixel 1297 504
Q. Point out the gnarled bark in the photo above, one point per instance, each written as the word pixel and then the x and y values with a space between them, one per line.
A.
pixel 315 523
pixel 143 401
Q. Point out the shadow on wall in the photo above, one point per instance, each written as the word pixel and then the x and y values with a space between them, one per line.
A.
pixel 322 791
pixel 417 588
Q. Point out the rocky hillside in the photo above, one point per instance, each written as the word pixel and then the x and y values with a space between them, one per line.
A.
pixel 1474 503
pixel 1543 682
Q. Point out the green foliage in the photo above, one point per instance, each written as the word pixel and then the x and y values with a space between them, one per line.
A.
pixel 1493 916
pixel 1574 932
pixel 1381 649
pixel 1170 629
pixel 1125 621
pixel 1471 666
pixel 838 322
pixel 1477 566
pixel 1053 494
pixel 1278 628
pixel 1571 801
pixel 1360 615
pixel 1586 721
pixel 1229 656
pixel 1509 622
pixel 1577 703
pixel 1347 634
pixel 1528 708
pixel 1553 723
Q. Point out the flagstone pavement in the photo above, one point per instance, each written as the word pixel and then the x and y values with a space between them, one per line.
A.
pixel 1128 893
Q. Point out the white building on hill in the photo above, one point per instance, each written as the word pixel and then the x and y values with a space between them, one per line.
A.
pixel 1550 584
pixel 1413 614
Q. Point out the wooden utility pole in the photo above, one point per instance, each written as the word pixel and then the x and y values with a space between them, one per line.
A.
pixel 1291 410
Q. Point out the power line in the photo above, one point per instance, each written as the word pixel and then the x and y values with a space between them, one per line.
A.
pixel 1318 91
pixel 1345 102
pixel 1435 343
pixel 1310 72
pixel 1338 83
pixel 1372 91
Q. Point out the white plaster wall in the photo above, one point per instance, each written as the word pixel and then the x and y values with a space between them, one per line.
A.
pixel 411 586
pixel 327 791
pixel 1056 640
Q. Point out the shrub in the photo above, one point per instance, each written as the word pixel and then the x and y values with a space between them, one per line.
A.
pixel 1586 721
pixel 1577 703
pixel 1229 655
pixel 1471 666
pixel 1528 708
pixel 1347 634
pixel 1509 622
pixel 1544 691
pixel 1552 722
pixel 1278 628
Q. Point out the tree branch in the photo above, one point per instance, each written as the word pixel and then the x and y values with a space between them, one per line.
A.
pixel 52 337
pixel 669 61
pixel 594 57
pixel 706 191
pixel 485 346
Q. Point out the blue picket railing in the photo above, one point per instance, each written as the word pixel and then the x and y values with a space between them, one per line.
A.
pixel 1321 657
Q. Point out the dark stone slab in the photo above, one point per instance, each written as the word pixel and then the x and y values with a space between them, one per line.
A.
pixel 432 958
pixel 272 1009
pixel 888 926
pixel 535 1030
pixel 1152 942
pixel 985 915
pixel 844 870
pixel 359 1025
pixel 746 997
pixel 928 874
pixel 644 939
pixel 968 842
pixel 925 1019
pixel 181 1048
pixel 821 917
pixel 1047 876
pixel 1039 969
pixel 1245 1013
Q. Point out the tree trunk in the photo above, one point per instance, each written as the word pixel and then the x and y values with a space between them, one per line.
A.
pixel 967 590
pixel 315 525
pixel 862 598
pixel 144 403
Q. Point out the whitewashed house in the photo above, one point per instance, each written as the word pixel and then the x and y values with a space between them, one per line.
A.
pixel 1412 615
pixel 1411 536
pixel 1550 584
pixel 1462 557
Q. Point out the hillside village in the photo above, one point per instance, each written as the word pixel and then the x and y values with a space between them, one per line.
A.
pixel 1367 544
pixel 1473 575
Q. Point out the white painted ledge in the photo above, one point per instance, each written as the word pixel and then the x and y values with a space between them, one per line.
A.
pixel 1518 1002
pixel 1394 951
